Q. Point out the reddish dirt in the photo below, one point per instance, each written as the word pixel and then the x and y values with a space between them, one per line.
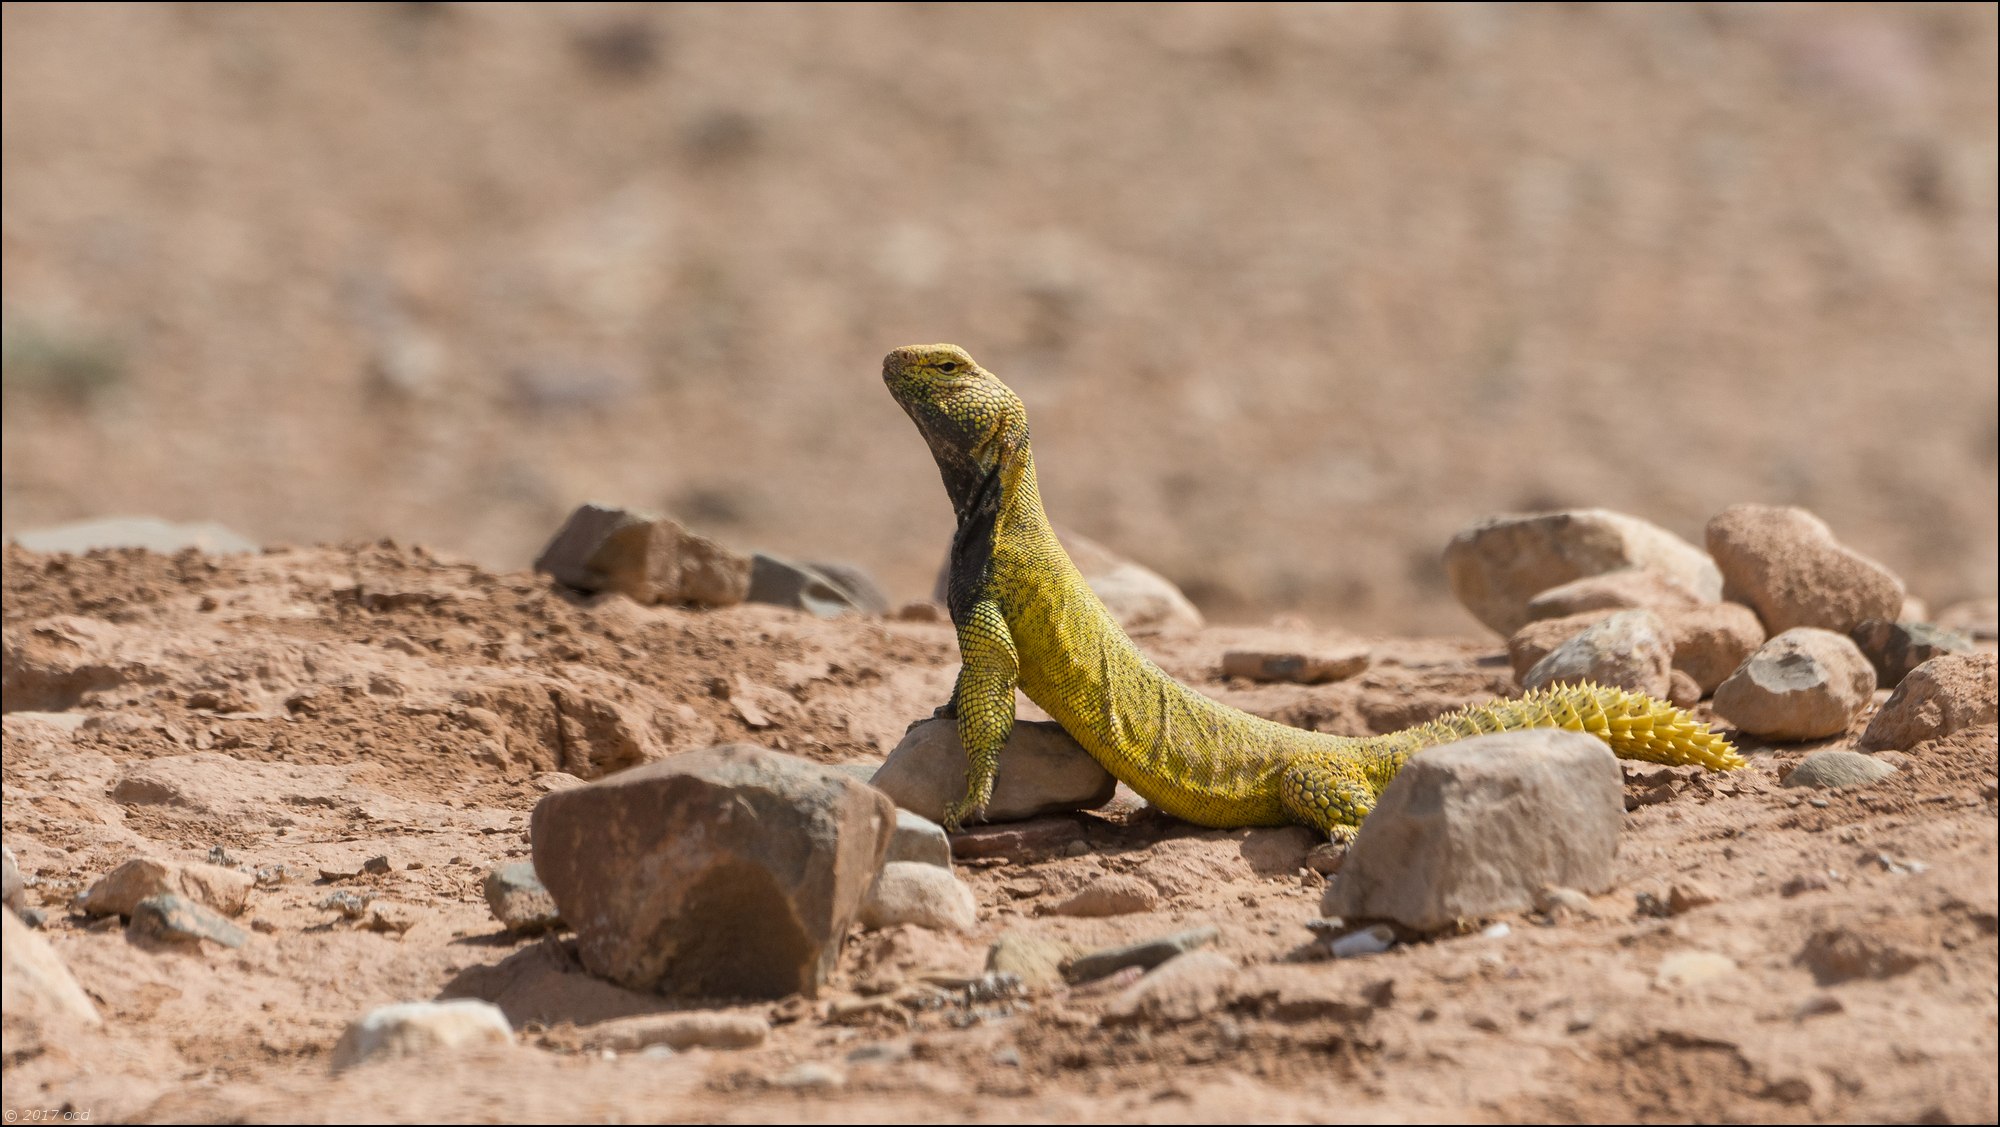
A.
pixel 316 708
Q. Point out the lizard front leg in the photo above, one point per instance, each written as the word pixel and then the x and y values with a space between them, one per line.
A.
pixel 983 702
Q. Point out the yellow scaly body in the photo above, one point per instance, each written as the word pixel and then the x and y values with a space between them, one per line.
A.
pixel 1026 617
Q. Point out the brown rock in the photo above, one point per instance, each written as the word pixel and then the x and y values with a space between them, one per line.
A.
pixel 34 983
pixel 1896 648
pixel 1711 640
pixel 1298 668
pixel 678 1031
pixel 1019 841
pixel 911 892
pixel 650 559
pixel 1938 698
pixel 1180 990
pixel 118 892
pixel 1115 895
pixel 1841 954
pixel 1632 588
pixel 1498 565
pixel 734 871
pixel 1804 684
pixel 1785 563
pixel 1682 691
pixel 1629 650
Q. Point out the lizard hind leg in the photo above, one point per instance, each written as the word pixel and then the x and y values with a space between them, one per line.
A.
pixel 1327 793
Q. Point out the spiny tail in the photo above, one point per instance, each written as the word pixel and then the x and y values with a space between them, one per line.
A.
pixel 1635 725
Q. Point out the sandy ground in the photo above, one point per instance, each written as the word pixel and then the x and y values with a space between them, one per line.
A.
pixel 1292 293
pixel 315 708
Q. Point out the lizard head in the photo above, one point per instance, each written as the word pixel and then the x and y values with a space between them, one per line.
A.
pixel 971 421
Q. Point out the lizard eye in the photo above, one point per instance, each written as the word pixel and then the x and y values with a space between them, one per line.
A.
pixel 948 366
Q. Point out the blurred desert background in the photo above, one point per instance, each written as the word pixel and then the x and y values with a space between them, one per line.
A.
pixel 1292 293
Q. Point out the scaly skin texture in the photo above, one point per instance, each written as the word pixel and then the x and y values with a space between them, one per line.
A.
pixel 1026 617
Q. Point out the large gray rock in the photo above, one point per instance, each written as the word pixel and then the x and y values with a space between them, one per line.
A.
pixel 150 533
pixel 910 892
pixel 118 892
pixel 1476 828
pixel 650 559
pixel 34 983
pixel 1501 563
pixel 518 899
pixel 823 590
pixel 1804 684
pixel 1938 698
pixel 733 871
pixel 1895 649
pixel 1630 650
pixel 178 921
pixel 417 1028
pixel 1042 771
pixel 1785 563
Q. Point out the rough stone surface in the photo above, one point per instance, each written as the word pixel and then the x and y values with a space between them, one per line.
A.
pixel 119 891
pixel 518 899
pixel 150 533
pixel 1036 960
pixel 911 892
pixel 1682 690
pixel 1630 650
pixel 1938 698
pixel 650 559
pixel 167 918
pixel 34 983
pixel 1299 668
pixel 678 1031
pixel 13 889
pixel 1476 828
pixel 1840 954
pixel 1836 767
pixel 1631 589
pixel 1499 564
pixel 1804 684
pixel 414 1028
pixel 822 590
pixel 920 840
pixel 1709 641
pixel 733 871
pixel 1116 894
pixel 1785 563
pixel 1042 771
pixel 1182 989
pixel 1895 649
pixel 1148 954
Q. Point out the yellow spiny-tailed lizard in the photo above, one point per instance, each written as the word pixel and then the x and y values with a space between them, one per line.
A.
pixel 1025 617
